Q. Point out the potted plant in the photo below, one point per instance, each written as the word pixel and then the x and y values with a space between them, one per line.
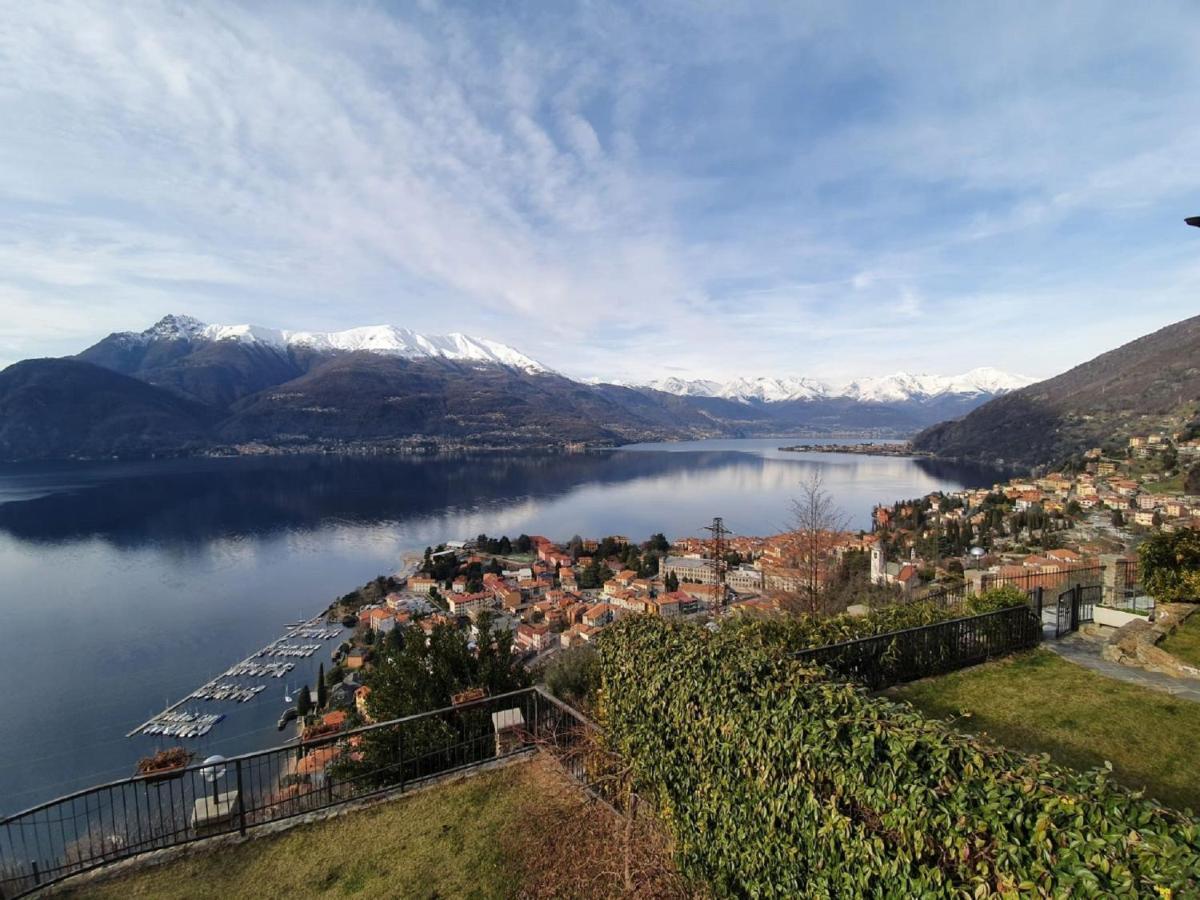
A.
pixel 164 764
pixel 319 730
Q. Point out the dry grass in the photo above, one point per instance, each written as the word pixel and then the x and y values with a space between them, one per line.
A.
pixel 1040 703
pixel 581 848
pixel 521 831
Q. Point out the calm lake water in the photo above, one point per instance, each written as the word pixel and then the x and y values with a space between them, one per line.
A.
pixel 124 586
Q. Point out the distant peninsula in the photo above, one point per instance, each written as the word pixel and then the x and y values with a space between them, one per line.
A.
pixel 892 448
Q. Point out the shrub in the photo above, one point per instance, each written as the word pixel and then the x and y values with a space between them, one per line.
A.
pixel 573 675
pixel 996 598
pixel 776 781
pixel 805 632
pixel 1170 565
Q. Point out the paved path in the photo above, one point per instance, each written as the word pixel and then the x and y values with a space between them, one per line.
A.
pixel 1087 653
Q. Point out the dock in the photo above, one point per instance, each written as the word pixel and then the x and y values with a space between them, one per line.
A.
pixel 253 666
pixel 313 632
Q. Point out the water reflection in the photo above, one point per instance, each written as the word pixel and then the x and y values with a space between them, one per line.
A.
pixel 123 585
pixel 182 502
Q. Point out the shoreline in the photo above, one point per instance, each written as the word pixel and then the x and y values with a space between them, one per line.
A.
pixel 433 447
pixel 903 449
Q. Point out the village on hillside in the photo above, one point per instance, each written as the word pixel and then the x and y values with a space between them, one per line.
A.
pixel 552 596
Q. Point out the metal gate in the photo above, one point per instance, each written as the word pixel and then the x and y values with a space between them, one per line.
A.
pixel 1076 606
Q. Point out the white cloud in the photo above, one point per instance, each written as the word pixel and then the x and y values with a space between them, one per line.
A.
pixel 611 189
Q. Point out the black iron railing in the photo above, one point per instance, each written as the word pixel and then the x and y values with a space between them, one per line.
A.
pixel 125 818
pixel 1063 577
pixel 899 656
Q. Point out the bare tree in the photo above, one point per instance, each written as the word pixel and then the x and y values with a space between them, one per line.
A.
pixel 816 521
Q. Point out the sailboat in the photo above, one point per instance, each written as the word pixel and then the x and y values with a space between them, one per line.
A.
pixel 287 695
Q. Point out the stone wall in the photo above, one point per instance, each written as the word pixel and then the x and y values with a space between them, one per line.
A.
pixel 1136 643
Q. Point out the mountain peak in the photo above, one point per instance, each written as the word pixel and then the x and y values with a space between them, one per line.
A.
pixel 174 327
pixel 388 340
pixel 895 388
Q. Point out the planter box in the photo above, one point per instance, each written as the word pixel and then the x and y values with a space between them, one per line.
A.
pixel 161 774
pixel 1114 618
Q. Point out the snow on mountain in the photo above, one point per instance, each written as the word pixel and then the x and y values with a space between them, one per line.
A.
pixel 684 388
pixel 900 387
pixel 773 390
pixel 745 390
pixel 387 340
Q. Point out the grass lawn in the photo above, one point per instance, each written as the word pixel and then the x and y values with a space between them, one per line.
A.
pixel 1184 641
pixel 1040 703
pixel 452 841
pixel 1172 485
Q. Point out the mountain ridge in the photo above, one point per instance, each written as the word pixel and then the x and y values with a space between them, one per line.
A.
pixel 896 387
pixel 184 386
pixel 388 340
pixel 1149 383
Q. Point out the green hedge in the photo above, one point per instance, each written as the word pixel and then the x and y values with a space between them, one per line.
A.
pixel 808 631
pixel 778 782
pixel 1170 565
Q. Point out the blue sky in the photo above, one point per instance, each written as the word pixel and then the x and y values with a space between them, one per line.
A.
pixel 633 191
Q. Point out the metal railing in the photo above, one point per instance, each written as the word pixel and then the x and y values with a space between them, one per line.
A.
pixel 1064 577
pixel 115 821
pixel 899 656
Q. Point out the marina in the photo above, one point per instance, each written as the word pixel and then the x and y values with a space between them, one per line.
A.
pixel 281 649
pixel 179 723
pixel 259 670
pixel 228 691
pixel 315 634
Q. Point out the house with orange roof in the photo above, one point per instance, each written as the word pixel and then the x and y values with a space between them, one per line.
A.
pixel 534 637
pixel 599 615
pixel 381 620
pixel 465 604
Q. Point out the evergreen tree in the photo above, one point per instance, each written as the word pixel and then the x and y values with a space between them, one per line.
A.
pixel 672 582
pixel 658 543
pixel 304 702
pixel 322 695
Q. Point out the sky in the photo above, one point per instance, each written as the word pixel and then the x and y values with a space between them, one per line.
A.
pixel 630 191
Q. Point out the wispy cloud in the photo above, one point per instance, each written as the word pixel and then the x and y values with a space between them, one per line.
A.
pixel 616 189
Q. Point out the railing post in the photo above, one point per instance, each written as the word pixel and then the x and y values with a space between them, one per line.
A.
pixel 536 710
pixel 37 876
pixel 400 753
pixel 241 801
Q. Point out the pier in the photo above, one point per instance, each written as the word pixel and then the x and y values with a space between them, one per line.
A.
pixel 256 665
pixel 179 723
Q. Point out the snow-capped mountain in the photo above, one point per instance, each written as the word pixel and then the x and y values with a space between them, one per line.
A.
pixel 761 390
pixel 683 388
pixel 387 340
pixel 900 387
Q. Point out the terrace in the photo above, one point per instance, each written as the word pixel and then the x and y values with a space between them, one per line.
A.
pixel 262 792
pixel 493 834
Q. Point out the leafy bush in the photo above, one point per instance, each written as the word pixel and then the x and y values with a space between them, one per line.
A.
pixel 573 675
pixel 776 781
pixel 1170 565
pixel 805 632
pixel 996 598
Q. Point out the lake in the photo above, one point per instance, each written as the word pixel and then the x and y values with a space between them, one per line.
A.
pixel 125 586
